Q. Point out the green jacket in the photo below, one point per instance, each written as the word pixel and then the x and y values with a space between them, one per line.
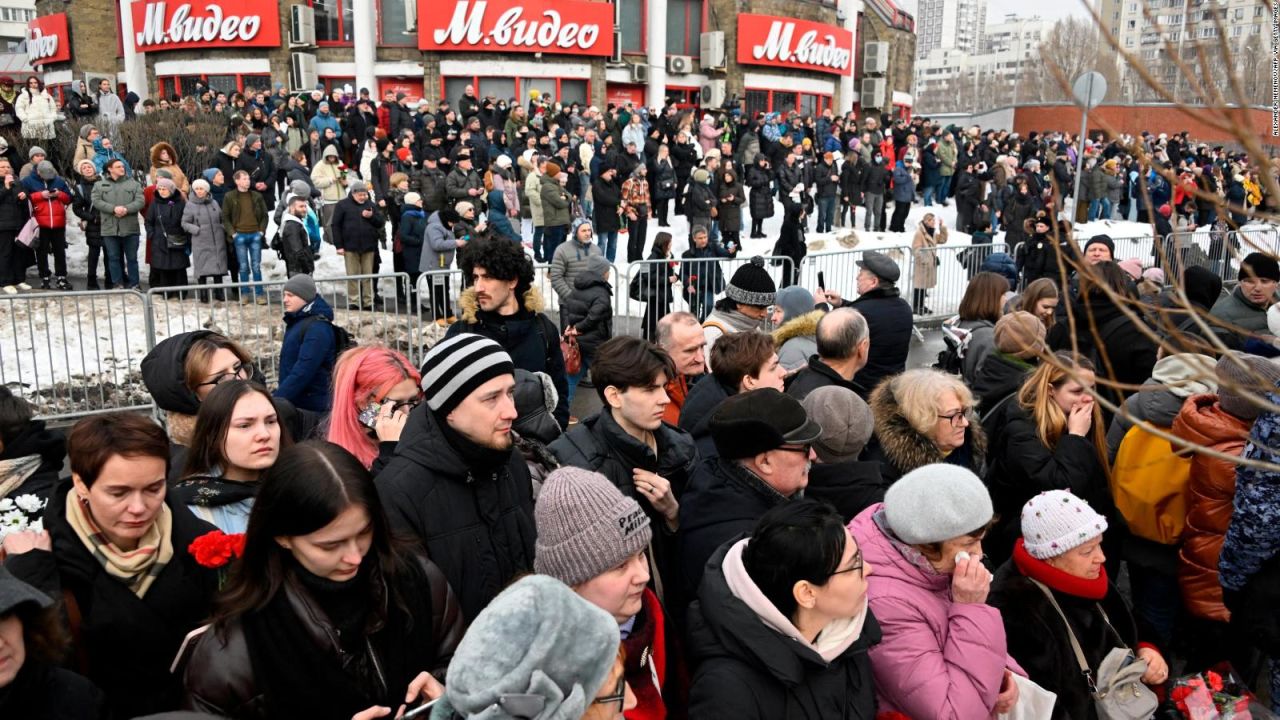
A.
pixel 231 204
pixel 947 155
pixel 109 194
pixel 555 202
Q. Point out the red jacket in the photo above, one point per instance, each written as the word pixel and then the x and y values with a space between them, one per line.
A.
pixel 49 212
pixel 384 119
pixel 653 670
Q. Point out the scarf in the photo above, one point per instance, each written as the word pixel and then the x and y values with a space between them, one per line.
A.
pixel 181 427
pixel 15 471
pixel 480 460
pixel 1056 579
pixel 211 490
pixel 136 568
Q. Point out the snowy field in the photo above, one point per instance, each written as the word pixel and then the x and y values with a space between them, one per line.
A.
pixel 74 352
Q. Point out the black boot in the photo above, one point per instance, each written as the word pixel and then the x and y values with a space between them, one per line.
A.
pixel 917 302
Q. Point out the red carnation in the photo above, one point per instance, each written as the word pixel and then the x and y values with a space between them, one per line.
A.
pixel 215 549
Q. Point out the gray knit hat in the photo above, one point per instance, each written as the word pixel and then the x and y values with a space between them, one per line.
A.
pixel 358 186
pixel 556 650
pixel 300 188
pixel 1242 379
pixel 36 150
pixel 794 301
pixel 936 502
pixel 456 366
pixel 596 266
pixel 85 130
pixel 846 422
pixel 301 285
pixel 46 171
pixel 751 285
pixel 586 526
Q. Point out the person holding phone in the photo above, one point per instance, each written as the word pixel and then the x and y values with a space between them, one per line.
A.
pixel 943 654
pixel 325 615
pixel 374 388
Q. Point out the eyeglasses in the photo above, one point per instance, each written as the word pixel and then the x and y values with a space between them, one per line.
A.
pixel 857 565
pixel 239 371
pixel 806 448
pixel 957 416
pixel 619 695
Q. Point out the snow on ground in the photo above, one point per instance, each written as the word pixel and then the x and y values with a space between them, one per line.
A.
pixel 74 352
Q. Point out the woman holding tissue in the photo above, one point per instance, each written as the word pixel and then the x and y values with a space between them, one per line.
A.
pixel 942 655
pixel 1055 593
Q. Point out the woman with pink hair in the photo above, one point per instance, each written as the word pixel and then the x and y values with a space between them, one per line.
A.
pixel 374 389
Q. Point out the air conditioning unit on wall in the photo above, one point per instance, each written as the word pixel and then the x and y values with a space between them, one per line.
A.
pixel 875 58
pixel 302 70
pixel 639 73
pixel 872 95
pixel 302 26
pixel 712 94
pixel 679 64
pixel 711 50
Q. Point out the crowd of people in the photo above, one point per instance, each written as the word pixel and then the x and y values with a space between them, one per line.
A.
pixel 769 516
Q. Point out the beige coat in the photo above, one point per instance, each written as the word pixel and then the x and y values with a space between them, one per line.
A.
pixel 926 256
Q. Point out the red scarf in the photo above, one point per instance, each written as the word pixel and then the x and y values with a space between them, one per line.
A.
pixel 646 660
pixel 1056 579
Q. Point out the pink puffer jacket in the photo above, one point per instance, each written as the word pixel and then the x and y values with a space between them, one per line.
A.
pixel 938 660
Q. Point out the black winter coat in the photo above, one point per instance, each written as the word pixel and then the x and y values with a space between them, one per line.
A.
pixel 589 308
pixel 1021 467
pixel 695 414
pixel 999 377
pixel 431 187
pixel 606 196
pixel 722 502
pixel 40 692
pixel 476 526
pixel 818 374
pixel 850 487
pixel 82 206
pixel 1131 353
pixel 822 173
pixel 1039 258
pixel 295 246
pixel 851 174
pixel 730 199
pixel 127 642
pixel 699 199
pixel 761 184
pixel 352 231
pixel 49 445
pixel 164 221
pixel 889 324
pixel 875 180
pixel 14 214
pixel 664 180
pixel 1017 209
pixel 1038 639
pixel 749 671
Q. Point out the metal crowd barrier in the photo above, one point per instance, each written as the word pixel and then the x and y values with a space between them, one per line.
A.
pixel 954 266
pixel 697 284
pixel 839 269
pixel 74 354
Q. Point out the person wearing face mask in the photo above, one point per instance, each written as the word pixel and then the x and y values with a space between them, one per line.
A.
pixel 598 541
pixel 326 616
pixel 561 659
pixel 943 652
pixel 114 548
pixel 782 624
pixel 237 437
pixel 374 390
pixel 1051 437
pixel 32 683
pixel 1055 589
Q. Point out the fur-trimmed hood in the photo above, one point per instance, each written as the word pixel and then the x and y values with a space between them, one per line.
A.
pixel 155 154
pixel 800 326
pixel 532 301
pixel 904 448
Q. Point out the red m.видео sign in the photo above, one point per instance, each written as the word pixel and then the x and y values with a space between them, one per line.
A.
pixel 568 27
pixel 176 24
pixel 792 43
pixel 48 40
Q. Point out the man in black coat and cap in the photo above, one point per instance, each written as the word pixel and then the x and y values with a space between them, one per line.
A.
pixel 887 314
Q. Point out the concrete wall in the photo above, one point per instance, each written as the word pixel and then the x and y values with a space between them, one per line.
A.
pixel 92 26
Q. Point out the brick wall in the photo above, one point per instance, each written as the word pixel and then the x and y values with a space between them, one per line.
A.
pixel 722 15
pixel 902 53
pixel 1133 119
pixel 93 36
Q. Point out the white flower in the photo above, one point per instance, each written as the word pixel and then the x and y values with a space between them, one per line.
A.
pixel 6 504
pixel 37 525
pixel 14 519
pixel 29 503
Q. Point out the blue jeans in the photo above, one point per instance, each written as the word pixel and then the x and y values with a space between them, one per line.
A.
pixel 584 188
pixel 944 188
pixel 575 379
pixel 249 255
pixel 537 244
pixel 930 192
pixel 122 255
pixel 608 242
pixel 826 213
pixel 713 232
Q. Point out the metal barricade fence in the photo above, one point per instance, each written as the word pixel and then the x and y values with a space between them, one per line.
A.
pixel 74 354
pixel 260 329
pixel 688 284
pixel 953 267
pixel 839 270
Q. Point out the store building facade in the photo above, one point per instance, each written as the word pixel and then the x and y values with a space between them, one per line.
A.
pixel 777 55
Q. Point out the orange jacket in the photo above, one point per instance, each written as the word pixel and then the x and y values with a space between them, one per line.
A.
pixel 677 391
pixel 1209 503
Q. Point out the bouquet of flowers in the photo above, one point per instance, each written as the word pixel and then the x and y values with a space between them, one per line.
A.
pixel 20 513
pixel 1217 694
pixel 215 550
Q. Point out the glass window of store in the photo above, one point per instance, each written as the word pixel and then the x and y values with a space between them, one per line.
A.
pixel 563 90
pixel 393 22
pixel 684 27
pixel 631 18
pixel 334 19
pixel 783 101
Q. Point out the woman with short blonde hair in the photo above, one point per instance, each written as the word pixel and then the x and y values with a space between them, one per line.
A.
pixel 922 417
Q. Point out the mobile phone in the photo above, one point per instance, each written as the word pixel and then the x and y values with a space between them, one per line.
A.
pixel 368 417
pixel 421 710
pixel 822 280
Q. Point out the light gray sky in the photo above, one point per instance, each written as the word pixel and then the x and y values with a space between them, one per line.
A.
pixel 996 9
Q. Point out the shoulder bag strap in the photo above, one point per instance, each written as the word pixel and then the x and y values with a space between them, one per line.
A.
pixel 1075 644
pixel 1112 628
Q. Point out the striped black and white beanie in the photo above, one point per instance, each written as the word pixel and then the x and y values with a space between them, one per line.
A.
pixel 751 285
pixel 456 366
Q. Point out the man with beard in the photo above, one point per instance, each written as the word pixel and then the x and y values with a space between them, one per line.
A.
pixel 456 483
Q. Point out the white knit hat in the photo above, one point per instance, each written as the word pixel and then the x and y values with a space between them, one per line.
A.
pixel 1056 521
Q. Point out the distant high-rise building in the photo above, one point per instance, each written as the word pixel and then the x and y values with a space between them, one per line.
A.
pixel 950 25
pixel 995 67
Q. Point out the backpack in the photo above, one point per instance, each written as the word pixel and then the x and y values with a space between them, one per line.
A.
pixel 343 340
pixel 950 359
pixel 1149 483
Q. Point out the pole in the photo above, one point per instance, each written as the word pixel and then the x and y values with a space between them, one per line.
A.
pixel 1084 119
